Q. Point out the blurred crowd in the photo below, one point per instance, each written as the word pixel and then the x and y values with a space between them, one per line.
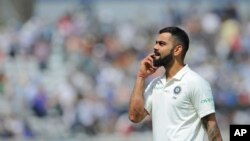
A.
pixel 77 74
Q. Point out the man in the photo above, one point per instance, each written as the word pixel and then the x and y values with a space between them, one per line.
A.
pixel 180 102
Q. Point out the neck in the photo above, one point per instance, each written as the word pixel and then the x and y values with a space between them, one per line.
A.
pixel 172 69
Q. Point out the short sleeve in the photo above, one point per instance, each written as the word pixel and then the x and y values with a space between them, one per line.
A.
pixel 148 98
pixel 202 98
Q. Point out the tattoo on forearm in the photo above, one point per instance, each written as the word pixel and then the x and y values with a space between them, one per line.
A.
pixel 212 130
pixel 212 133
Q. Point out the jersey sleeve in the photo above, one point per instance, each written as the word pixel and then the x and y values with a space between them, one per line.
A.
pixel 202 99
pixel 148 98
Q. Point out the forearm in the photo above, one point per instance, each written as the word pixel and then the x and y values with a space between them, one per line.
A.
pixel 136 105
pixel 213 133
pixel 212 128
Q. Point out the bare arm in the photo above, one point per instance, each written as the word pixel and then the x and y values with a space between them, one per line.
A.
pixel 210 124
pixel 136 106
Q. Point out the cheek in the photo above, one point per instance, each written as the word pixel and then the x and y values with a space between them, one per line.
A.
pixel 165 53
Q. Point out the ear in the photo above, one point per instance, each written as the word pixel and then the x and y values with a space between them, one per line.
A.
pixel 178 50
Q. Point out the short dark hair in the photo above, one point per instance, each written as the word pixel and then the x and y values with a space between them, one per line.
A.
pixel 179 35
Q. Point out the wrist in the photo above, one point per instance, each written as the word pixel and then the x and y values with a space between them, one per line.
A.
pixel 141 75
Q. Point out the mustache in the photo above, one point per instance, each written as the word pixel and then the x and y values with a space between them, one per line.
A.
pixel 156 53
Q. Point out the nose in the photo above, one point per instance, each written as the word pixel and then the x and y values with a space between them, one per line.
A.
pixel 156 47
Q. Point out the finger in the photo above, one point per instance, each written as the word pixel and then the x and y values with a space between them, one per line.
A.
pixel 152 70
pixel 145 61
pixel 150 59
pixel 150 66
pixel 151 54
pixel 152 62
pixel 148 62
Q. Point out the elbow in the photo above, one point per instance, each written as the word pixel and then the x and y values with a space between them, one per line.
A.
pixel 133 119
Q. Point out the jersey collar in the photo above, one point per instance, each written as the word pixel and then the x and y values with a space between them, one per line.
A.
pixel 177 76
pixel 181 73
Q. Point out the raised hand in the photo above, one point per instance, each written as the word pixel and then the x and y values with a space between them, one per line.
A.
pixel 146 66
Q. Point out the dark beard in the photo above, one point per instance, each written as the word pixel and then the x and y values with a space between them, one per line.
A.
pixel 165 61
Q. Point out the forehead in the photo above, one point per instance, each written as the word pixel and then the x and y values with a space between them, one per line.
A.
pixel 164 37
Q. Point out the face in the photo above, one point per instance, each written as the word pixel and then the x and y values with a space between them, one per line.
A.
pixel 163 50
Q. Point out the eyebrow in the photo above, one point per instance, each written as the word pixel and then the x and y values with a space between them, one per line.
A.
pixel 160 42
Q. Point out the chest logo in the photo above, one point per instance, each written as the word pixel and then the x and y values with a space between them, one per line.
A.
pixel 177 90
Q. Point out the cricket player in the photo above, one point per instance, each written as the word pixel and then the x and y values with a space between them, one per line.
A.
pixel 180 102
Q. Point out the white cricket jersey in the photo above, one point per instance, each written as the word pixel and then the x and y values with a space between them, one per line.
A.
pixel 177 106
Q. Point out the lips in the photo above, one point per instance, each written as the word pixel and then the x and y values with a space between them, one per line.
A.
pixel 157 55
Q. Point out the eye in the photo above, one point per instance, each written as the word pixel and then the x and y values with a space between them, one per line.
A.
pixel 162 43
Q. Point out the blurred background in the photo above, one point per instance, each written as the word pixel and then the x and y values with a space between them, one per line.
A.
pixel 67 67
